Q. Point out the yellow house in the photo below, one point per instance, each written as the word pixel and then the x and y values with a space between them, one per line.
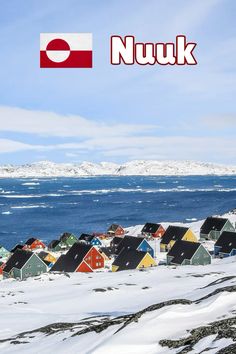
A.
pixel 175 233
pixel 133 259
pixel 47 257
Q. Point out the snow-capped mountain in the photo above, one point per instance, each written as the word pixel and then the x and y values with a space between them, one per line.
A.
pixel 142 168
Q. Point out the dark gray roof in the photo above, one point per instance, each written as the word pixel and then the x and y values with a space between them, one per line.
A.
pixel 43 254
pixel 173 233
pixel 65 236
pixel 30 241
pixel 18 246
pixel 17 260
pixel 182 250
pixel 108 251
pixel 86 237
pixel 129 259
pixel 150 228
pixel 53 244
pixel 130 242
pixel 72 259
pixel 227 241
pixel 212 223
pixel 115 241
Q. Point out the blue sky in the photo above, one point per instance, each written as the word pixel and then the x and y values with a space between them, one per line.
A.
pixel 118 113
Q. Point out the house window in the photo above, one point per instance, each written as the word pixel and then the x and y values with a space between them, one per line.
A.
pixel 127 263
pixel 182 254
pixel 76 256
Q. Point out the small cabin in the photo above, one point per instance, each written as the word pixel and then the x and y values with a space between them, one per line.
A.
pixel 135 243
pixel 48 258
pixel 81 257
pixel 151 230
pixel 225 246
pixel 33 244
pixel 67 240
pixel 115 230
pixel 175 233
pixel 132 259
pixel 188 253
pixel 213 227
pixel 90 239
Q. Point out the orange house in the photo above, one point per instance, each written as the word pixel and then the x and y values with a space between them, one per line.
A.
pixel 33 244
pixel 153 230
pixel 115 230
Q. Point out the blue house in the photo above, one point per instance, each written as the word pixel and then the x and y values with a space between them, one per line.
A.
pixel 4 253
pixel 135 243
pixel 90 240
pixel 225 246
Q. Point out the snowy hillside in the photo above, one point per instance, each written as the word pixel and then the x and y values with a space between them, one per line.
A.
pixel 167 309
pixel 143 168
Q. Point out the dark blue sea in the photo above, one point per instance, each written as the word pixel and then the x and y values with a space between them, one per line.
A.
pixel 45 208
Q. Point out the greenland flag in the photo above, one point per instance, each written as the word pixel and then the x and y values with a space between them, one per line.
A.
pixel 66 50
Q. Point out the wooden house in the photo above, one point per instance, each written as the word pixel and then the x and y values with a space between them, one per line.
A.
pixel 81 257
pixel 90 240
pixel 225 246
pixel 48 258
pixel 4 253
pixel 132 259
pixel 2 265
pixel 173 234
pixel 107 252
pixel 213 227
pixel 67 240
pixel 55 246
pixel 33 244
pixel 152 230
pixel 188 253
pixel 23 264
pixel 115 230
pixel 135 243
pixel 17 247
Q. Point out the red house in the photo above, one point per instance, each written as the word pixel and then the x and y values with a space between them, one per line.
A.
pixel 153 230
pixel 33 244
pixel 81 257
pixel 2 265
pixel 115 230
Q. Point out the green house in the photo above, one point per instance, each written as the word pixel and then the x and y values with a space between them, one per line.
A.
pixel 3 252
pixel 213 227
pixel 55 246
pixel 23 264
pixel 188 253
pixel 67 240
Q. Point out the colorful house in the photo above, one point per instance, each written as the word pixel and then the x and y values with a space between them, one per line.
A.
pixel 55 246
pixel 4 253
pixel 33 244
pixel 90 239
pixel 152 230
pixel 132 259
pixel 2 265
pixel 23 264
pixel 188 253
pixel 67 240
pixel 173 234
pixel 48 258
pixel 213 227
pixel 225 246
pixel 135 243
pixel 80 258
pixel 115 230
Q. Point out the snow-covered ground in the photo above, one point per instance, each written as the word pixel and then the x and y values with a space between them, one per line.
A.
pixel 143 168
pixel 93 313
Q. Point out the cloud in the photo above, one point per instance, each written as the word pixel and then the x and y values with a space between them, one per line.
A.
pixel 224 121
pixel 51 124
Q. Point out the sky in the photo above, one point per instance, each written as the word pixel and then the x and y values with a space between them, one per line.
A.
pixel 118 113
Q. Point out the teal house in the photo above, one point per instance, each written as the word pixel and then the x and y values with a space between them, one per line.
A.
pixel 24 264
pixel 213 227
pixel 67 240
pixel 4 253
pixel 188 253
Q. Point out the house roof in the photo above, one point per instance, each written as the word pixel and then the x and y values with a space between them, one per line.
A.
pixel 227 241
pixel 53 243
pixel 86 237
pixel 130 242
pixel 17 260
pixel 213 223
pixel 116 240
pixel 43 255
pixel 150 228
pixel 173 233
pixel 113 228
pixel 18 246
pixel 72 259
pixel 66 235
pixel 30 241
pixel 129 259
pixel 108 251
pixel 182 250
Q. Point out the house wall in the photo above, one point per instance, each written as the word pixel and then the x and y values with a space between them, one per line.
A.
pixel 33 267
pixel 146 262
pixel 84 268
pixel 144 246
pixel 217 250
pixel 189 236
pixel 201 257
pixel 114 268
pixel 94 259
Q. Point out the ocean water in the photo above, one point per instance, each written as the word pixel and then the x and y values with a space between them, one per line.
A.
pixel 45 208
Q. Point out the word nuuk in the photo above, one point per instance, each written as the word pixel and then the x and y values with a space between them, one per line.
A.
pixel 128 52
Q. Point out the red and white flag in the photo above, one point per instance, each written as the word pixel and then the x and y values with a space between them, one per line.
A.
pixel 66 50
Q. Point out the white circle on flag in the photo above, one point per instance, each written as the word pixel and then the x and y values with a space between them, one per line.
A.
pixel 58 56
